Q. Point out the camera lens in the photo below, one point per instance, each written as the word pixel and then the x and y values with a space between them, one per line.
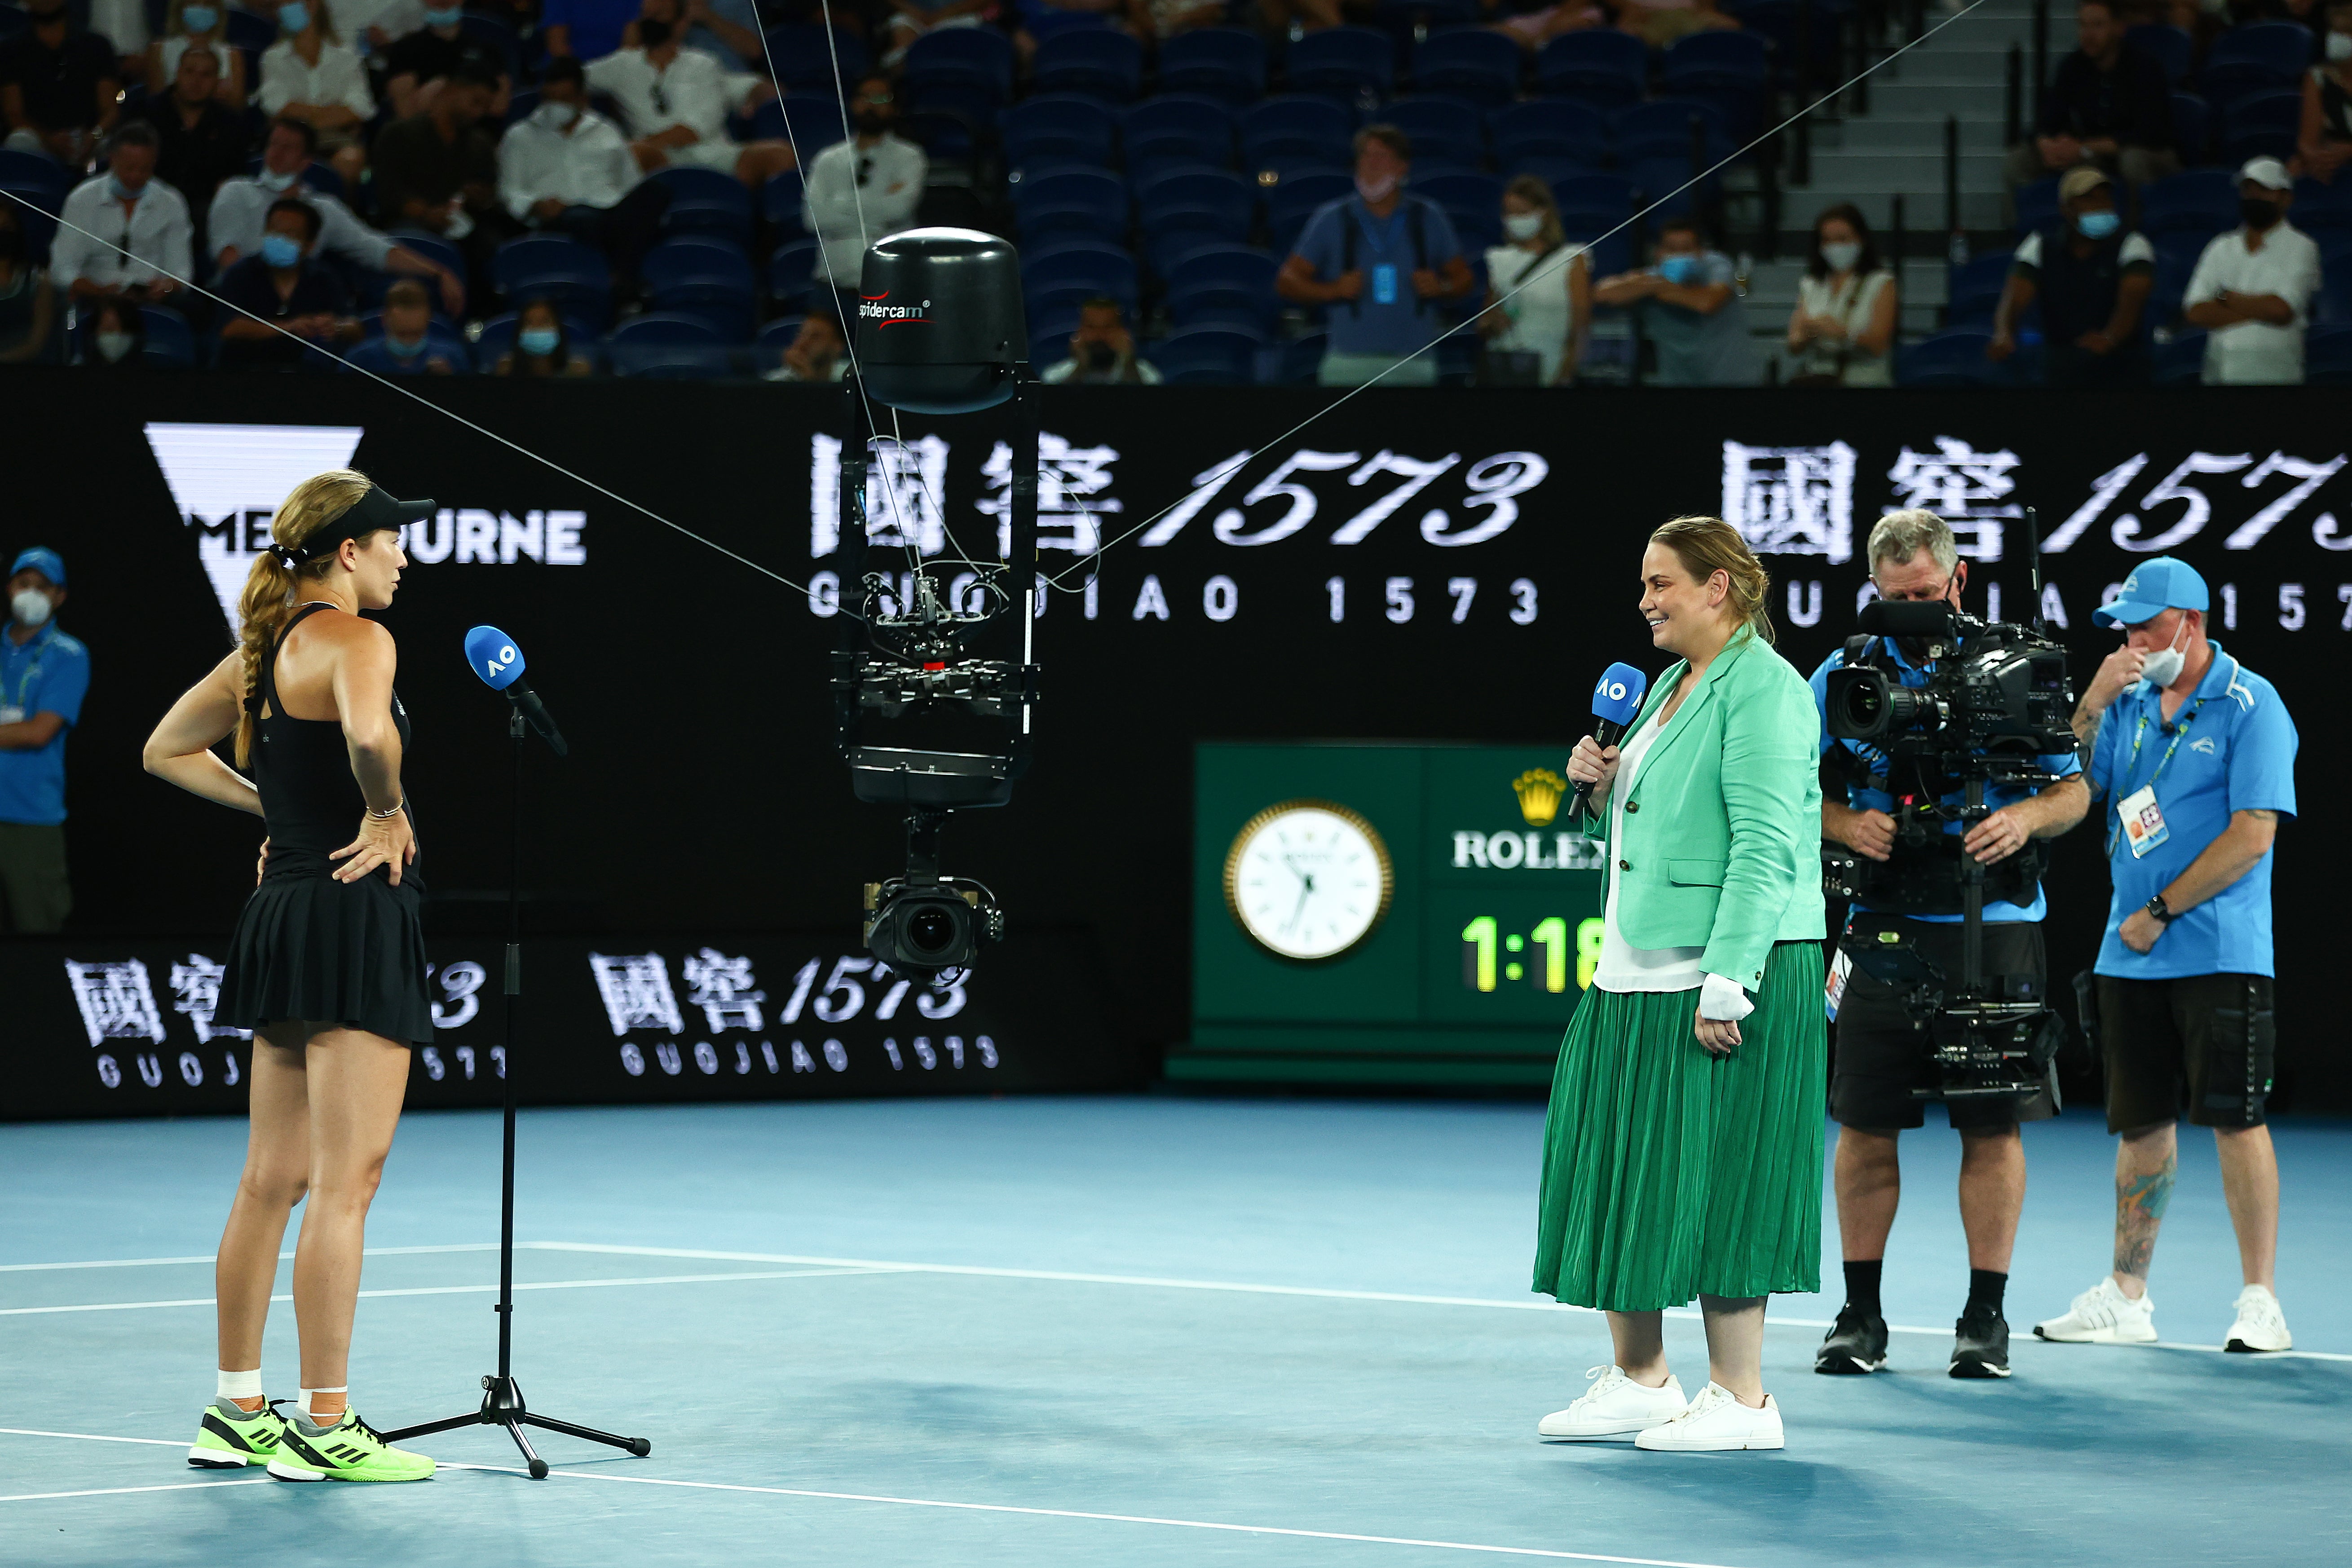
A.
pixel 931 931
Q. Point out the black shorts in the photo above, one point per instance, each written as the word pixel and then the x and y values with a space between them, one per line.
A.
pixel 1883 1053
pixel 2214 1036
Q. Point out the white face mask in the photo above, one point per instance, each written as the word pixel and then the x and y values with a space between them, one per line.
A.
pixel 1376 190
pixel 2339 45
pixel 31 608
pixel 2163 667
pixel 112 346
pixel 1842 254
pixel 557 116
pixel 271 180
pixel 1523 225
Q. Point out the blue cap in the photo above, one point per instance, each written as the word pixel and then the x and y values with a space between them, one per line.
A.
pixel 2163 584
pixel 45 561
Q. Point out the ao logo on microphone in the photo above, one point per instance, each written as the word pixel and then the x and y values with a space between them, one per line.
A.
pixel 500 666
pixel 1608 690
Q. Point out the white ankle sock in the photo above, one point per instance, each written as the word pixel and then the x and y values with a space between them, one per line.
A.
pixel 240 1384
pixel 311 1416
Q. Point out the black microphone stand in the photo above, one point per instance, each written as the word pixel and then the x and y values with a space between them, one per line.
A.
pixel 502 1403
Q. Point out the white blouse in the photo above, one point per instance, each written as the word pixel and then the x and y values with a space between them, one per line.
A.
pixel 1622 966
pixel 1850 304
pixel 337 77
pixel 1539 313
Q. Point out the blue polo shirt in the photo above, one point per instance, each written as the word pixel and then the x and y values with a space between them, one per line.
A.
pixel 1389 318
pixel 2059 765
pixel 2235 752
pixel 48 673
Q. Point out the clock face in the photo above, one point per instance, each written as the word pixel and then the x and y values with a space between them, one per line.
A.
pixel 1307 879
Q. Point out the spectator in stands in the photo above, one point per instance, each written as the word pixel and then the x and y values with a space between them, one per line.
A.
pixel 2325 141
pixel 115 336
pixel 199 24
pixel 123 25
pixel 407 346
pixel 543 344
pixel 1658 23
pixel 312 76
pixel 2252 287
pixel 438 171
pixel 586 30
pixel 1102 351
pixel 288 286
pixel 59 86
pixel 819 352
pixel 2109 104
pixel 566 169
pixel 2092 276
pixel 1533 24
pixel 675 102
pixel 729 32
pixel 1163 19
pixel 1385 261
pixel 240 212
pixel 417 65
pixel 1548 312
pixel 201 141
pixel 130 207
pixel 44 676
pixel 1841 332
pixel 1688 307
pixel 859 190
pixel 28 307
pixel 371 26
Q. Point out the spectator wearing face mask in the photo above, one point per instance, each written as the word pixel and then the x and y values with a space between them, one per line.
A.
pixel 312 76
pixel 28 306
pixel 2092 277
pixel 566 169
pixel 2252 287
pixel 134 210
pixel 44 675
pixel 59 86
pixel 1690 310
pixel 1539 292
pixel 115 337
pixel 409 346
pixel 542 346
pixel 1843 328
pixel 201 141
pixel 197 24
pixel 674 102
pixel 2324 143
pixel 286 288
pixel 1102 351
pixel 857 191
pixel 241 207
pixel 415 65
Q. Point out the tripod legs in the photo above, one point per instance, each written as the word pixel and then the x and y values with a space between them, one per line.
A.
pixel 502 1405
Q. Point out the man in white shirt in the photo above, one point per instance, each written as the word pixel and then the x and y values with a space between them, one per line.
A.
pixel 372 25
pixel 240 212
pixel 674 101
pixel 129 207
pixel 2252 287
pixel 860 190
pixel 566 169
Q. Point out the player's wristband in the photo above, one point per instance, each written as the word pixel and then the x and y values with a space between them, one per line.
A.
pixel 2161 910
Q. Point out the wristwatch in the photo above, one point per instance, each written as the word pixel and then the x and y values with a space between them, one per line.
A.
pixel 2161 909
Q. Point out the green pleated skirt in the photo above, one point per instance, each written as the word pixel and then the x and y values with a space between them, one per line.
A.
pixel 1669 1174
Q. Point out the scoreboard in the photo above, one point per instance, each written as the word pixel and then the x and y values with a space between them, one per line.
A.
pixel 1385 914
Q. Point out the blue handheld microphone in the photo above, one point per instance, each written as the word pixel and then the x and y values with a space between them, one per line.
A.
pixel 495 658
pixel 1615 700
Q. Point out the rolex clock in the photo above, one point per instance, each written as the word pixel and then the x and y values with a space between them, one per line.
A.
pixel 1309 880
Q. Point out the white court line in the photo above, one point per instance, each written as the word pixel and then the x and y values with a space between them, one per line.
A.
pixel 462 1289
pixel 207 1258
pixel 118 1492
pixel 1548 1552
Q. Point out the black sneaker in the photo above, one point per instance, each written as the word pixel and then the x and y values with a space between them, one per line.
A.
pixel 1856 1344
pixel 1980 1344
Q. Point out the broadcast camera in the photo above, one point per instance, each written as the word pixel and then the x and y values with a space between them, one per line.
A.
pixel 1997 700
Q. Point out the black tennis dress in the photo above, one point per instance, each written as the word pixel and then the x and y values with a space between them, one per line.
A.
pixel 307 946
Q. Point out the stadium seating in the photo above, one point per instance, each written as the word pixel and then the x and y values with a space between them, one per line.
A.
pixel 2327 356
pixel 804 59
pixel 1974 289
pixel 1298 128
pixel 1097 62
pixel 1179 127
pixel 709 201
pixel 706 277
pixel 2262 123
pixel 1225 63
pixel 1598 66
pixel 1469 63
pixel 2173 48
pixel 794 271
pixel 1549 127
pixel 1052 131
pixel 660 344
pixel 1090 202
pixel 2252 58
pixel 575 276
pixel 1955 357
pixel 1222 283
pixel 2200 202
pixel 1443 131
pixel 1208 356
pixel 1343 63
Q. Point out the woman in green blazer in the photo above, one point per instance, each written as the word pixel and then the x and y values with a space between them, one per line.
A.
pixel 1682 1151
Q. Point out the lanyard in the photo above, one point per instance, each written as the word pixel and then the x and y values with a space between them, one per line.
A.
pixel 2138 735
pixel 32 671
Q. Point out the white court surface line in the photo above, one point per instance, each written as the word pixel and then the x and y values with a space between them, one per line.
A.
pixel 119 1492
pixel 1548 1552
pixel 1533 1305
pixel 207 1258
pixel 462 1289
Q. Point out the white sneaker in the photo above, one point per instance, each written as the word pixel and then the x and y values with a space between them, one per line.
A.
pixel 1714 1422
pixel 2104 1315
pixel 2260 1325
pixel 1615 1406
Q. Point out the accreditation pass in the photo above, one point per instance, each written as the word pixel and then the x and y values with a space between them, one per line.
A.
pixel 2143 820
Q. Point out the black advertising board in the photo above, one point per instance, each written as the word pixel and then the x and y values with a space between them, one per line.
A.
pixel 1410 566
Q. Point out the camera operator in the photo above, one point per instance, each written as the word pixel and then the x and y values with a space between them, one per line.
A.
pixel 2196 755
pixel 1883 1051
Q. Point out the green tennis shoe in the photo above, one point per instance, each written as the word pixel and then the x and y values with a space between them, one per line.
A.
pixel 229 1437
pixel 350 1450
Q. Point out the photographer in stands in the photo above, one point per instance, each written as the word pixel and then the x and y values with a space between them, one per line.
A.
pixel 2195 754
pixel 1882 1050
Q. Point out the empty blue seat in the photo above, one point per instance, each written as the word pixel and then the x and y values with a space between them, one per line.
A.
pixel 2327 356
pixel 1091 202
pixel 1296 127
pixel 1344 63
pixel 1058 128
pixel 1226 63
pixel 1715 60
pixel 1782 24
pixel 805 59
pixel 575 276
pixel 660 344
pixel 2201 202
pixel 2181 361
pixel 780 201
pixel 1974 287
pixel 1179 127
pixel 2322 210
pixel 1952 358
pixel 971 58
pixel 1229 282
pixel 1443 130
pixel 1469 63
pixel 1084 267
pixel 1549 170
pixel 1598 65
pixel 706 200
pixel 1549 128
pixel 2176 263
pixel 1191 207
pixel 1096 61
pixel 2192 126
pixel 809 123
pixel 30 172
pixel 1610 195
pixel 2249 59
pixel 705 276
pixel 2263 123
pixel 768 343
pixel 792 273
pixel 169 341
pixel 1472 202
pixel 2174 49
pixel 1669 182
pixel 435 249
pixel 1208 356
pixel 2037 205
pixel 1662 129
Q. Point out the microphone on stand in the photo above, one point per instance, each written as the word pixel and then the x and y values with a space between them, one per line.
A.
pixel 1615 700
pixel 499 663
